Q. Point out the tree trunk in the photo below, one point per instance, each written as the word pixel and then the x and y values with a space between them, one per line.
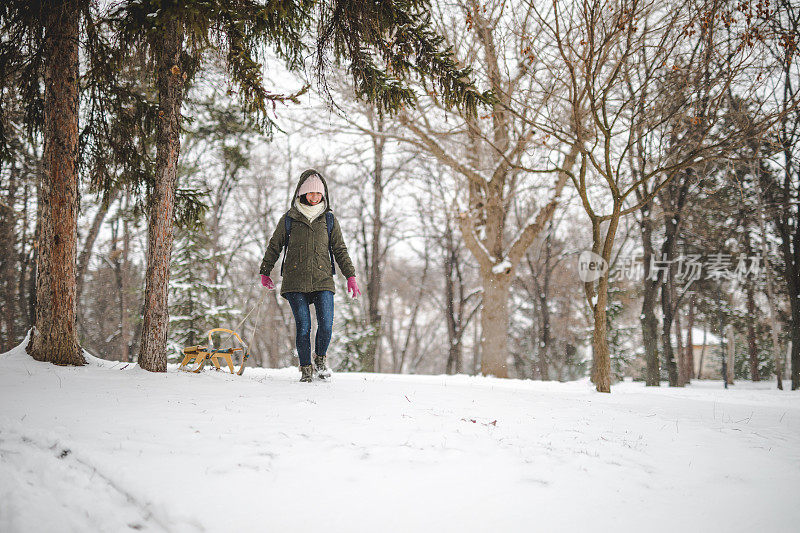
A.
pixel 88 244
pixel 751 333
pixel 787 218
pixel 27 258
pixel 8 264
pixel 682 376
pixel 125 325
pixel 650 335
pixel 55 339
pixel 667 312
pixel 376 255
pixel 752 350
pixel 544 296
pixel 601 358
pixel 730 355
pixel 476 347
pixel 34 259
pixel 773 319
pixel 792 268
pixel 690 342
pixel 721 319
pixel 648 316
pixel 453 351
pixel 702 351
pixel 119 261
pixel 494 324
pixel 666 340
pixel 796 338
pixel 153 355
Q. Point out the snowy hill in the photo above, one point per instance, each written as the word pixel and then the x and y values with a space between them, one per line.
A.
pixel 109 447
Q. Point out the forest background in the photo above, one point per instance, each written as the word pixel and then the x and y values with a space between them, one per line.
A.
pixel 657 136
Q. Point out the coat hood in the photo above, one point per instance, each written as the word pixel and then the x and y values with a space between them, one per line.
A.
pixel 303 177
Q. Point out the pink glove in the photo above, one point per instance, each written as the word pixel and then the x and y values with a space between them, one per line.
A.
pixel 352 286
pixel 267 282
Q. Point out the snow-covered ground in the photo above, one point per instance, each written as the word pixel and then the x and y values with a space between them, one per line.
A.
pixel 110 447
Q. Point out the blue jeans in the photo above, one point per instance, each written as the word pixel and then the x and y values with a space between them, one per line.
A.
pixel 323 304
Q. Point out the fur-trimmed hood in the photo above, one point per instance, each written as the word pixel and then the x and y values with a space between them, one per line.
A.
pixel 303 177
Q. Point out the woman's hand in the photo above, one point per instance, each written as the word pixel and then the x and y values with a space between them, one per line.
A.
pixel 352 286
pixel 267 282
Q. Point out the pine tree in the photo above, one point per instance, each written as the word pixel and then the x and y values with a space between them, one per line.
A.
pixel 384 43
pixel 354 342
pixel 40 49
pixel 193 308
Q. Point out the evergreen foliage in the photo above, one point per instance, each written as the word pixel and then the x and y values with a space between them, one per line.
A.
pixel 193 299
pixel 353 338
pixel 619 335
pixel 384 43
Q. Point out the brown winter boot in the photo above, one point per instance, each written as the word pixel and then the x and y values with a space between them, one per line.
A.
pixel 323 372
pixel 306 372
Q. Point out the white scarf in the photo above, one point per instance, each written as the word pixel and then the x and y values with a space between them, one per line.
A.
pixel 311 212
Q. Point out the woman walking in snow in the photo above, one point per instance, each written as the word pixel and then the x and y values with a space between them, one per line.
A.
pixel 311 238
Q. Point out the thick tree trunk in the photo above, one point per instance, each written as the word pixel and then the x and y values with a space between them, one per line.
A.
pixel 55 339
pixel 601 357
pixel 494 324
pixel 153 355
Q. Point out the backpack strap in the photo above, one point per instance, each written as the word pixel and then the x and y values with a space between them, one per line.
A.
pixel 287 225
pixel 329 223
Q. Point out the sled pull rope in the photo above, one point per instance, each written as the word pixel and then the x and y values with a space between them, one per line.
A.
pixel 256 324
pixel 203 352
pixel 258 305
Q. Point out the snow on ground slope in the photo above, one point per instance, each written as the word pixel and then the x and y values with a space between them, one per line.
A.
pixel 110 447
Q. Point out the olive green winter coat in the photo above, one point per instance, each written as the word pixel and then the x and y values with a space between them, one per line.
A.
pixel 307 266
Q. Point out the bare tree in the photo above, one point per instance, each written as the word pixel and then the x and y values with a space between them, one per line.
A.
pixel 488 153
pixel 623 68
pixel 460 300
pixel 784 192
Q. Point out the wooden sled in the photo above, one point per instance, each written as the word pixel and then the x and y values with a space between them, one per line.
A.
pixel 200 354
